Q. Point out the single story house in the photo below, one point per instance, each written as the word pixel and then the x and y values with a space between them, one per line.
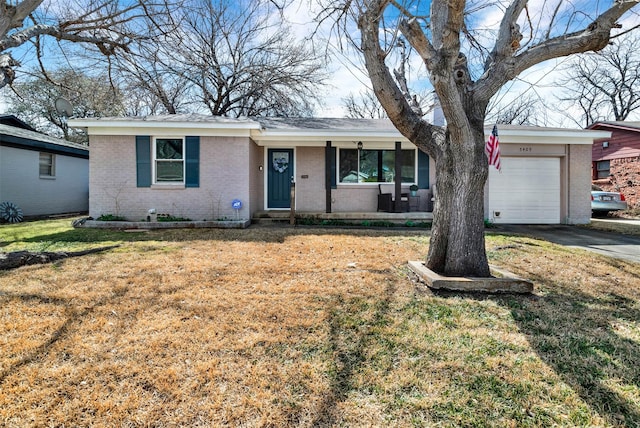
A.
pixel 616 160
pixel 207 168
pixel 41 175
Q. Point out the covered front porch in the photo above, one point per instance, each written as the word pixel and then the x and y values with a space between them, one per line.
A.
pixel 351 168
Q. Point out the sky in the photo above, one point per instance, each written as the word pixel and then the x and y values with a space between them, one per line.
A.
pixel 539 81
pixel 347 74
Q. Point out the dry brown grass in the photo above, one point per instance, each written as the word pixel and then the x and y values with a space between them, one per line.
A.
pixel 613 226
pixel 312 327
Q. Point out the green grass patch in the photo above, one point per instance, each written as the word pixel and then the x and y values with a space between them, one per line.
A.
pixel 56 235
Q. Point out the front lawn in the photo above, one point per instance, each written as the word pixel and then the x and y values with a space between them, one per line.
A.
pixel 309 327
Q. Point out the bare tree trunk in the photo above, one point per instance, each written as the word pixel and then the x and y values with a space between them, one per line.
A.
pixel 457 245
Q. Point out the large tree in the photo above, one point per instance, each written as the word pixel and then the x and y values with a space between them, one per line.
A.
pixel 104 25
pixel 603 85
pixel 34 100
pixel 228 58
pixel 466 69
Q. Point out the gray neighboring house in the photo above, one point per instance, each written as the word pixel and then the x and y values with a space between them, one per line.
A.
pixel 40 174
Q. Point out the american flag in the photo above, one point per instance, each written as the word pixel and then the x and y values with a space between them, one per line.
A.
pixel 492 148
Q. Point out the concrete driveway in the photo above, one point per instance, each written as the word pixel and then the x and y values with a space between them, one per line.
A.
pixel 625 247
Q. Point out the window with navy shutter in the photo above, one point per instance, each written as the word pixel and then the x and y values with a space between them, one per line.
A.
pixel 169 165
pixel 423 170
pixel 143 161
pixel 192 178
pixel 332 166
pixel 168 161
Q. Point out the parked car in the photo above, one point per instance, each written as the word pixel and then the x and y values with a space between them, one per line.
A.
pixel 602 202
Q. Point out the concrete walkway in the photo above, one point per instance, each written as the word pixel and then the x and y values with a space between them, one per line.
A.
pixel 612 244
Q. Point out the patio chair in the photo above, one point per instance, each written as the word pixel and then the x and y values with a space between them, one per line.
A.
pixel 386 198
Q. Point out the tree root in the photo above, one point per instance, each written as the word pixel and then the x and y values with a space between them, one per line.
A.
pixel 17 259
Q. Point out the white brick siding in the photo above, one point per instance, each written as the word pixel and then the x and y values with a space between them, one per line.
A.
pixel 579 184
pixel 310 191
pixel 223 178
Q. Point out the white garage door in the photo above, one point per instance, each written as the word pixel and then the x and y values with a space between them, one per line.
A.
pixel 526 191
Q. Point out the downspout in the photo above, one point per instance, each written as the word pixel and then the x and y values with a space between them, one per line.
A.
pixel 327 176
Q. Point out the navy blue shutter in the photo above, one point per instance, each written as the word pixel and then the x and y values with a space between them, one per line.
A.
pixel 332 167
pixel 192 158
pixel 143 161
pixel 423 170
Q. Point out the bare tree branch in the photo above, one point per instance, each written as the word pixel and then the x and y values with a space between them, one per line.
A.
pixel 504 67
pixel 605 85
pixel 224 59
pixel 366 105
pixel 106 25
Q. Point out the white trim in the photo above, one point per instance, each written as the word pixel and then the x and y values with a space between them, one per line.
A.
pixel 319 137
pixel 538 135
pixel 154 176
pixel 158 122
pixel 206 126
pixel 168 130
pixel 168 186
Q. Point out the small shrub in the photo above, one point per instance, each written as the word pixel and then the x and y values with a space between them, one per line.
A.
pixel 308 221
pixel 420 224
pixel 488 224
pixel 379 223
pixel 110 217
pixel 334 222
pixel 169 217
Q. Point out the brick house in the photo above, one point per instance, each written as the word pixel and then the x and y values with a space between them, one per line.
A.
pixel 616 160
pixel 196 166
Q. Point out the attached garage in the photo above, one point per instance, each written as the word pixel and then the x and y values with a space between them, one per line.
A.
pixel 527 190
pixel 545 176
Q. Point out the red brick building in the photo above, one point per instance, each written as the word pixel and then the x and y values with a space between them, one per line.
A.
pixel 616 160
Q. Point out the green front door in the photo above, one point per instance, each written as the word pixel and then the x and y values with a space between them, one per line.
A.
pixel 280 175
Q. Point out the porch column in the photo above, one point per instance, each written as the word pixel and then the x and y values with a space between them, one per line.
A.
pixel 327 175
pixel 398 178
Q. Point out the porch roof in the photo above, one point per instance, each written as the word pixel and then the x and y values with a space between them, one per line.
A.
pixel 319 130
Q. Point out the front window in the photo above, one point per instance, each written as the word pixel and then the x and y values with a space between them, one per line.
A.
pixel 375 166
pixel 47 165
pixel 602 169
pixel 169 160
